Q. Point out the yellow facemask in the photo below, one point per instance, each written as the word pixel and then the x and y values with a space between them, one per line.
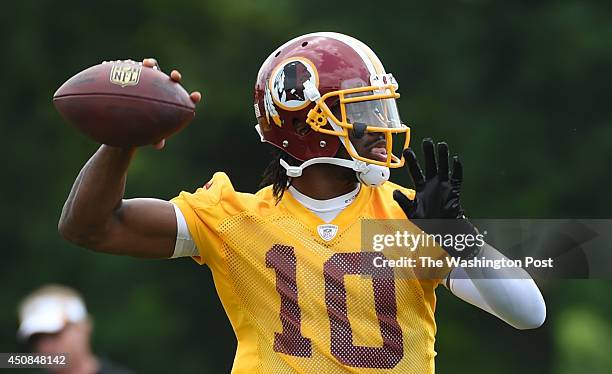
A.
pixel 363 108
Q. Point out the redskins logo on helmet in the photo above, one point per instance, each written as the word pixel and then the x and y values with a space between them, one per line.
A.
pixel 292 81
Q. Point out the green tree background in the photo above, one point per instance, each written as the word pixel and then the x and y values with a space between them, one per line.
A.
pixel 521 90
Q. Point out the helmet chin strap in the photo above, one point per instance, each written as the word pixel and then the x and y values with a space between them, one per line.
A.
pixel 368 174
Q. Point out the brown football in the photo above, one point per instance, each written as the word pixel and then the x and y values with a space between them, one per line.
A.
pixel 124 103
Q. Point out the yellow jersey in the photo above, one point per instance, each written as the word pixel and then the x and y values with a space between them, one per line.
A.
pixel 300 300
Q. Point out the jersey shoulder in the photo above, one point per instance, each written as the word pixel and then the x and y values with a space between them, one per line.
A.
pixel 388 187
pixel 382 204
pixel 219 194
pixel 206 209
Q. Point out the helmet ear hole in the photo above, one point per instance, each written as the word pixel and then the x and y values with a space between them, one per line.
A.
pixel 301 128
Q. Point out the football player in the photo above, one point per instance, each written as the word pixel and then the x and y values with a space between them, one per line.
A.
pixel 287 262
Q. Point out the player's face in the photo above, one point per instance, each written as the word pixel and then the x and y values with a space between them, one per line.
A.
pixel 371 145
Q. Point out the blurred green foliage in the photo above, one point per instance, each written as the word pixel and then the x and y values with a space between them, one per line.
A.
pixel 520 90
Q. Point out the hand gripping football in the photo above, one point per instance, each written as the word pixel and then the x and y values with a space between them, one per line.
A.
pixel 124 104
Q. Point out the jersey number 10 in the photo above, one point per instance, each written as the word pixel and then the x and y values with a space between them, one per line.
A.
pixel 291 341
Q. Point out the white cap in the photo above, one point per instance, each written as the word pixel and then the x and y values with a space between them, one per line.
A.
pixel 49 310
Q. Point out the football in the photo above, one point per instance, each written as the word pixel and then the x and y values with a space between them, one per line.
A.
pixel 124 104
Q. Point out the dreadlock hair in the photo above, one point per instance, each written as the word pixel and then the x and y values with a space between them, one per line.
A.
pixel 276 175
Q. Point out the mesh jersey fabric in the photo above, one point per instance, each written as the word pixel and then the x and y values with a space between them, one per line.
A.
pixel 298 303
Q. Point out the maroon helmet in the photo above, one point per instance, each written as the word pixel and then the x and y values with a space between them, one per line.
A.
pixel 317 88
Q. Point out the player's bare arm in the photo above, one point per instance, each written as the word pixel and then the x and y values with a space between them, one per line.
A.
pixel 96 216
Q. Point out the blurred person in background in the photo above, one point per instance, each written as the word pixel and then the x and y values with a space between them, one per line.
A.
pixel 53 319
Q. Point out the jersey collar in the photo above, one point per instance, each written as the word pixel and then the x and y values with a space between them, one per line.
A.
pixel 322 206
pixel 344 219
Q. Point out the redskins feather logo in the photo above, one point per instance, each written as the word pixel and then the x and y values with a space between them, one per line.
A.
pixel 294 84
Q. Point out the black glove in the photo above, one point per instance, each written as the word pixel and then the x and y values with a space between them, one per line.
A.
pixel 436 208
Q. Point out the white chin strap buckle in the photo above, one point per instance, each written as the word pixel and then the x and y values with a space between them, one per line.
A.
pixel 292 171
pixel 359 166
pixel 374 176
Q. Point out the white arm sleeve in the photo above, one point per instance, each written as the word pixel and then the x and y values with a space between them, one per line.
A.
pixel 517 302
pixel 184 246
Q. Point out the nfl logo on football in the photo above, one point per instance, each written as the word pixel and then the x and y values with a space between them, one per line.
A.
pixel 125 74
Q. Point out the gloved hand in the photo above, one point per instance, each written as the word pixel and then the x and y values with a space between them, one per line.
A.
pixel 436 208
